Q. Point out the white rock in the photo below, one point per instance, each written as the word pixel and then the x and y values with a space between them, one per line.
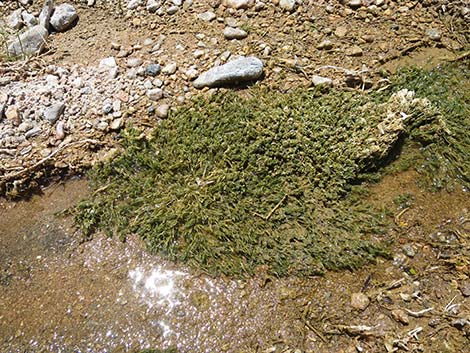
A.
pixel 153 5
pixel 170 69
pixel 155 94
pixel 107 63
pixel 319 80
pixel 30 42
pixel 207 16
pixel 162 111
pixel 133 4
pixel 287 5
pixel 63 17
pixel 239 4
pixel 233 72
pixel 172 10
pixel 134 62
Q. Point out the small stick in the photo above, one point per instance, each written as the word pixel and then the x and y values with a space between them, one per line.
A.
pixel 318 333
pixel 275 208
pixel 396 284
pixel 397 217
pixel 420 313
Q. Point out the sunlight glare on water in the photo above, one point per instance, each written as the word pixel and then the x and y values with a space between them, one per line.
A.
pixel 156 286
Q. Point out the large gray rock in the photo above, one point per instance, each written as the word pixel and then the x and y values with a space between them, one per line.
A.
pixel 30 42
pixel 46 13
pixel 63 17
pixel 233 72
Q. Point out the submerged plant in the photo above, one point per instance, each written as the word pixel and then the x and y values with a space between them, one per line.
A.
pixel 229 184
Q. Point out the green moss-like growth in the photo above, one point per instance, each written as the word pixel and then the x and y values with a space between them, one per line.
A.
pixel 228 184
pixel 440 152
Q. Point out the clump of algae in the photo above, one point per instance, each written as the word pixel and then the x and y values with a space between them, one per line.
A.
pixel 229 184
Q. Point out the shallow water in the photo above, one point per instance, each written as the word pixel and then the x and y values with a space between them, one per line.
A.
pixel 58 294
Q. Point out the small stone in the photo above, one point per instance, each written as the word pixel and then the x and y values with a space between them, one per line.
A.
pixel 134 62
pixel 191 73
pixel 46 13
pixel 162 111
pixel 400 316
pixel 207 16
pixel 319 80
pixel 133 4
pixel 409 250
pixel 170 68
pixel 355 3
pixel 107 106
pixel 153 5
pixel 59 130
pixel 341 31
pixel 116 124
pixel 353 51
pixel 234 33
pixel 107 63
pixel 233 72
pixel 63 17
pixel 152 69
pixel 172 10
pixel 239 4
pixel 33 132
pixel 325 45
pixel 359 301
pixel 465 288
pixel 433 34
pixel 155 94
pixel 29 19
pixel 52 113
pixel 287 5
pixel 12 113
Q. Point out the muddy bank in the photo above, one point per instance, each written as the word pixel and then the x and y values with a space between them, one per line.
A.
pixel 61 295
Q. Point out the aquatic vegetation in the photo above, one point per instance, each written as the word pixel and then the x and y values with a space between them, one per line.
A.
pixel 229 184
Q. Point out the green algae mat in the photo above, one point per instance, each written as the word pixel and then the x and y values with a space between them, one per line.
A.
pixel 231 184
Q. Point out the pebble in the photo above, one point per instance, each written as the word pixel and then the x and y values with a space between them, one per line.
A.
pixel 319 80
pixel 134 62
pixel 355 3
pixel 152 69
pixel 359 301
pixel 400 316
pixel 170 68
pixel 239 4
pixel 207 16
pixel 59 131
pixel 133 4
pixel 172 10
pixel 325 45
pixel 433 34
pixel 155 94
pixel 234 33
pixel 53 113
pixel 287 5
pixel 354 51
pixel 29 19
pixel 409 250
pixel 46 13
pixel 162 111
pixel 341 31
pixel 116 124
pixel 13 114
pixel 465 288
pixel 153 5
pixel 63 17
pixel 240 70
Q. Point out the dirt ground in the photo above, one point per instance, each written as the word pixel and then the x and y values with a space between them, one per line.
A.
pixel 59 293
